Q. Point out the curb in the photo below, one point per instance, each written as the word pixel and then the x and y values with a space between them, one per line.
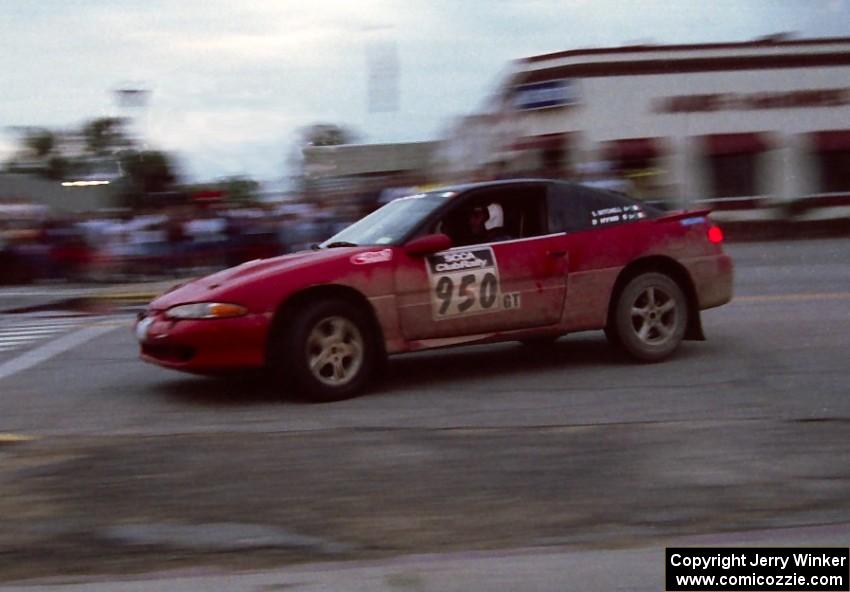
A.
pixel 85 301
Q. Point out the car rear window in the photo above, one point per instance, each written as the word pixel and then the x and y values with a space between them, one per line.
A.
pixel 574 207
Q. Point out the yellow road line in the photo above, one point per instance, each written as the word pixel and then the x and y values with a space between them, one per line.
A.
pixel 7 437
pixel 794 297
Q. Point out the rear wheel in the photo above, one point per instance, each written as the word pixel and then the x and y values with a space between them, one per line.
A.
pixel 327 351
pixel 649 318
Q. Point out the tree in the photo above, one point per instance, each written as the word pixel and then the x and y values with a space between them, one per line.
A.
pixel 40 141
pixel 327 134
pixel 56 154
pixel 240 189
pixel 99 149
pixel 318 134
pixel 106 135
pixel 57 168
pixel 40 154
pixel 150 171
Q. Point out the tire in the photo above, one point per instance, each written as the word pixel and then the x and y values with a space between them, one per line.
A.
pixel 649 318
pixel 328 351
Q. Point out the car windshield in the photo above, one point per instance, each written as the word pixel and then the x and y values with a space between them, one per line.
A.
pixel 391 223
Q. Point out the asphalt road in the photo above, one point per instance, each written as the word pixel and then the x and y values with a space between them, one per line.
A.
pixel 746 430
pixel 778 351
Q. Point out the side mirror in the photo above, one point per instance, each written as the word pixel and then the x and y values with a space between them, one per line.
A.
pixel 428 244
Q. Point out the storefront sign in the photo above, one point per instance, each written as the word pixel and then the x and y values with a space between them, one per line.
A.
pixel 544 95
pixel 827 97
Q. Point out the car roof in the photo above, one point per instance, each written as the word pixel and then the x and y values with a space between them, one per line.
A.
pixel 463 187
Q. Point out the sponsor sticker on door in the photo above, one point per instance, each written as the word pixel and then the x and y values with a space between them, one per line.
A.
pixel 464 282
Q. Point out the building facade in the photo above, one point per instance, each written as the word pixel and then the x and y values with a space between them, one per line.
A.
pixel 352 176
pixel 70 197
pixel 759 128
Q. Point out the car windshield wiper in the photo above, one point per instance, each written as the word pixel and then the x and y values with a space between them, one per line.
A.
pixel 340 244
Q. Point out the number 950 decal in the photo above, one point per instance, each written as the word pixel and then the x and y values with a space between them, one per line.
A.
pixel 465 282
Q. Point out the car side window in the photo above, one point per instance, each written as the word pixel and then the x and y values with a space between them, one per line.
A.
pixel 573 208
pixel 567 211
pixel 496 215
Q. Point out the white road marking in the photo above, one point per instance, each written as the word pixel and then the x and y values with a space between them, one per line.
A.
pixel 53 348
pixel 48 322
pixel 18 332
pixel 18 338
pixel 28 331
pixel 17 329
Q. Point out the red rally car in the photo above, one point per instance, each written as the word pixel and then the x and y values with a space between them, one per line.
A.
pixel 523 260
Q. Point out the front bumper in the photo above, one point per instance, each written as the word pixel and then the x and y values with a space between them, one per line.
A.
pixel 203 346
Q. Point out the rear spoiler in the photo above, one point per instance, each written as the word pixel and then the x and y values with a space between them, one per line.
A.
pixel 682 214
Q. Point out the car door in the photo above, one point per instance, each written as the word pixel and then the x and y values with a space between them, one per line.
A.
pixel 600 239
pixel 486 287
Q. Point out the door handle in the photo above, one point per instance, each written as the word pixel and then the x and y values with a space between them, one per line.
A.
pixel 556 253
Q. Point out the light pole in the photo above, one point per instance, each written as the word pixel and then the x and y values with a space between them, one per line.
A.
pixel 132 100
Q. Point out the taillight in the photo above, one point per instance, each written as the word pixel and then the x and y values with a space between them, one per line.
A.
pixel 715 235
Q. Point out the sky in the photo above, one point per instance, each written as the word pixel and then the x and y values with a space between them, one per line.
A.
pixel 231 82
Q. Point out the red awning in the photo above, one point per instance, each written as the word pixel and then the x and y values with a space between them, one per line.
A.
pixel 633 149
pixel 543 142
pixel 831 141
pixel 735 143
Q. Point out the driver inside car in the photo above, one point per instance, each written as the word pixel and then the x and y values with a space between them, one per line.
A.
pixel 486 224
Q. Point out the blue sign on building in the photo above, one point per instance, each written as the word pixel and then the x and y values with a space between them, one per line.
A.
pixel 542 95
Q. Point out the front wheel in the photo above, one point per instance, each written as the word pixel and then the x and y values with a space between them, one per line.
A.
pixel 327 352
pixel 649 318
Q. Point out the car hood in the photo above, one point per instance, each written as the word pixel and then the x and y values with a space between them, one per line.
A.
pixel 222 283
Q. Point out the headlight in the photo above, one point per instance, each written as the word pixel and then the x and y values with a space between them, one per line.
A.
pixel 206 310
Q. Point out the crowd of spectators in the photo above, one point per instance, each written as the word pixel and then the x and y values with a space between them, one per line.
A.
pixel 201 236
pixel 36 246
